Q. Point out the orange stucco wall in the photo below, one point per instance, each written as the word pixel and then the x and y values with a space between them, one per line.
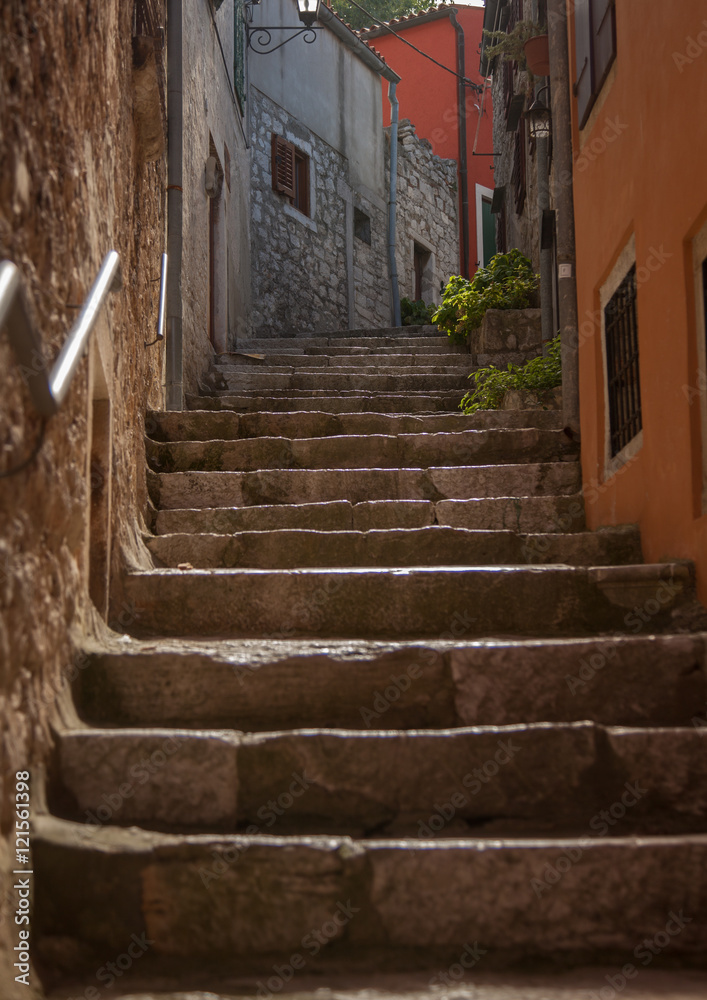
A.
pixel 428 96
pixel 641 168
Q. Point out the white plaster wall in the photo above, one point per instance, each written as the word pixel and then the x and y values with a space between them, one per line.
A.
pixel 329 89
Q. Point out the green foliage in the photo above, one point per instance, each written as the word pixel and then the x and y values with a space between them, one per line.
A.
pixel 415 313
pixel 383 10
pixel 507 283
pixel 539 376
pixel 510 45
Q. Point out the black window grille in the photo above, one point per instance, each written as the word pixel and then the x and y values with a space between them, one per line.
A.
pixel 621 331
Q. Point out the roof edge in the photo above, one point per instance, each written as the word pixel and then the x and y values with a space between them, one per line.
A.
pixel 357 45
pixel 445 10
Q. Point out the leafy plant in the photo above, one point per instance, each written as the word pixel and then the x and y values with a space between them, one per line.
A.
pixel 510 45
pixel 539 376
pixel 508 282
pixel 415 313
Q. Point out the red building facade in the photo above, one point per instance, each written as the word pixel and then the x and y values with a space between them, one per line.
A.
pixel 456 117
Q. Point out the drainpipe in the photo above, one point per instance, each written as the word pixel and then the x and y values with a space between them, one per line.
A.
pixel 463 167
pixel 564 204
pixel 546 310
pixel 173 375
pixel 393 264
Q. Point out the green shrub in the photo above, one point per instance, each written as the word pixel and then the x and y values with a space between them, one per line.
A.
pixel 415 313
pixel 508 282
pixel 539 376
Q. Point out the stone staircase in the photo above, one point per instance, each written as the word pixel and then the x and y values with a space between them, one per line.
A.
pixel 381 697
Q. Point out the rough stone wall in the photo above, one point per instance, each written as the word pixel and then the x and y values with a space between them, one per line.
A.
pixel 427 214
pixel 73 185
pixel 371 271
pixel 521 229
pixel 209 109
pixel 299 263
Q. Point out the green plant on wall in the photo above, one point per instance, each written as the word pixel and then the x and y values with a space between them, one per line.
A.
pixel 539 377
pixel 508 282
pixel 510 45
pixel 415 313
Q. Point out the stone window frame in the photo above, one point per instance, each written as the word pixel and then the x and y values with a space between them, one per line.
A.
pixel 625 261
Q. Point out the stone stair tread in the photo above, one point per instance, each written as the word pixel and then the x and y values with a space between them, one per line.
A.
pixel 405 602
pixel 205 425
pixel 527 514
pixel 447 482
pixel 633 680
pixel 435 893
pixel 422 783
pixel 352 359
pixel 491 446
pixel 404 405
pixel 430 545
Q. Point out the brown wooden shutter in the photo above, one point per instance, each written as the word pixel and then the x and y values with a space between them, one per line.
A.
pixel 283 166
pixel 603 39
pixel 583 88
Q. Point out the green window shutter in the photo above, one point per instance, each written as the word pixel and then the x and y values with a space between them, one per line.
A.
pixel 239 50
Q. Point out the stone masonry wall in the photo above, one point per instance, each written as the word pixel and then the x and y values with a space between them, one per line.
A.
pixel 211 111
pixel 299 264
pixel 428 214
pixel 75 182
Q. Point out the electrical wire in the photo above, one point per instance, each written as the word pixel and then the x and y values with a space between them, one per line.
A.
pixel 35 451
pixel 384 24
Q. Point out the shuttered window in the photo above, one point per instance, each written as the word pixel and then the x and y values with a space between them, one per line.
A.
pixel 283 166
pixel 595 51
pixel 290 173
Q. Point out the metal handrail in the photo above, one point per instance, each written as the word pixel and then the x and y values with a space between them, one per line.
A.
pixel 162 310
pixel 49 391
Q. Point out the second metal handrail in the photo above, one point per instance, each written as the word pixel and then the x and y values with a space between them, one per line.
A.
pixel 162 310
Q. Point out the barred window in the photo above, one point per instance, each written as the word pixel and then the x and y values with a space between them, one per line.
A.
pixel 623 375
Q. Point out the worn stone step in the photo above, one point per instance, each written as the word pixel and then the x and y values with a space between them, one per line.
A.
pixel 378 367
pixel 327 380
pixel 365 451
pixel 420 784
pixel 389 336
pixel 387 363
pixel 172 490
pixel 276 684
pixel 205 425
pixel 433 545
pixel 526 514
pixel 220 898
pixel 423 403
pixel 511 601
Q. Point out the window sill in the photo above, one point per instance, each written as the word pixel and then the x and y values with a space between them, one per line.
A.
pixel 295 213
